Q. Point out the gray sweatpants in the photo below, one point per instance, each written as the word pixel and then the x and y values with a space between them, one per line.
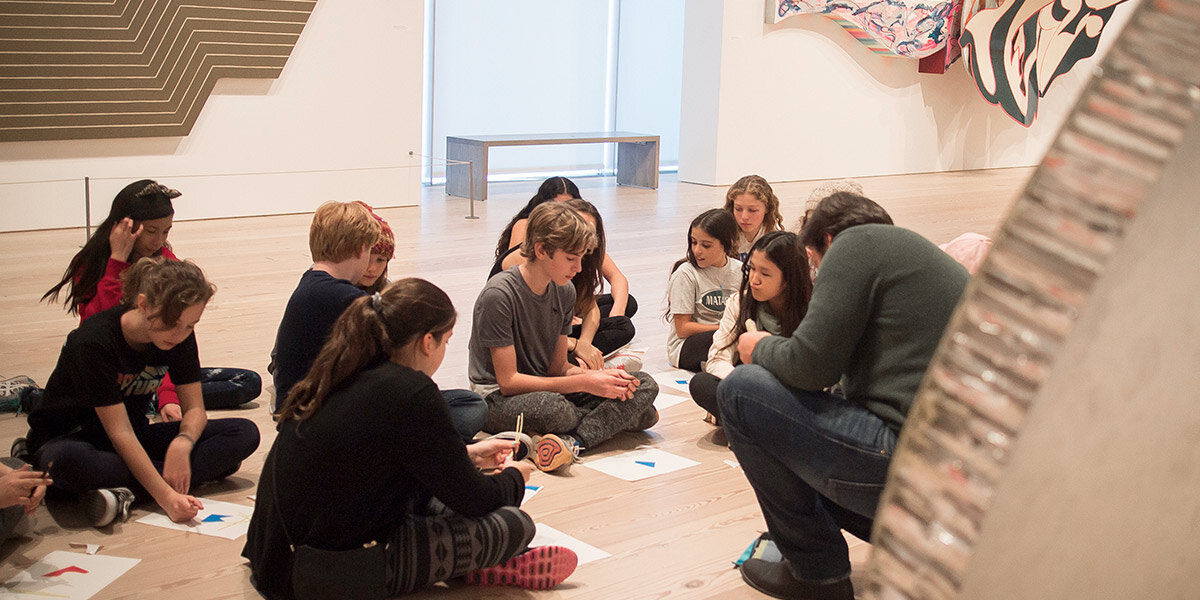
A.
pixel 590 419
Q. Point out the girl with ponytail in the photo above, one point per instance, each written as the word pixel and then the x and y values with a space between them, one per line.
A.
pixel 366 452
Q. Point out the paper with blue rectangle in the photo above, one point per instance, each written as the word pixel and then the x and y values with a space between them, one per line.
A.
pixel 530 492
pixel 675 381
pixel 220 519
pixel 640 464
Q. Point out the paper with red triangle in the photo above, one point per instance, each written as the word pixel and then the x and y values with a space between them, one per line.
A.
pixel 66 575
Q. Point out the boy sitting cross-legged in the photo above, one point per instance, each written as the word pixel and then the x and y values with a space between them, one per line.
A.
pixel 518 349
pixel 340 239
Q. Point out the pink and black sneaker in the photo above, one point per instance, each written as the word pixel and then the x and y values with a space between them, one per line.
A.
pixel 539 568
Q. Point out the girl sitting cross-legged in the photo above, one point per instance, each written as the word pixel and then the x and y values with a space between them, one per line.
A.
pixel 774 297
pixel 90 430
pixel 617 302
pixel 137 226
pixel 698 288
pixel 367 453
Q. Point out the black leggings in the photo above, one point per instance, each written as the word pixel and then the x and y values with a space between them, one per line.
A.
pixel 695 351
pixel 613 331
pixel 605 302
pixel 703 388
pixel 78 464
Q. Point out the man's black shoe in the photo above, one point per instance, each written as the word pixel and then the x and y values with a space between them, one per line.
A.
pixel 776 579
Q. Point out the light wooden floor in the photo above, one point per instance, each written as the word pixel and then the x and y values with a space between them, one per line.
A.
pixel 670 536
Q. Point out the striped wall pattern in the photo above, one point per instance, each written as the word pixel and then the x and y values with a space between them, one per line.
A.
pixel 77 69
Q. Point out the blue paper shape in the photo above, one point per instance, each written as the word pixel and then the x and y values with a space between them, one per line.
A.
pixel 681 381
pixel 214 518
pixel 645 462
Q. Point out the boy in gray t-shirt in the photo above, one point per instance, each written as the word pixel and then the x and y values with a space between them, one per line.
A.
pixel 518 349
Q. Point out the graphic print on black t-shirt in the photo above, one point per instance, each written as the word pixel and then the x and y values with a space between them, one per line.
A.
pixel 142 383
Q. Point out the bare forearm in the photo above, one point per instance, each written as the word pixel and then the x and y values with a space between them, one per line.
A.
pixel 519 383
pixel 687 330
pixel 590 325
pixel 194 419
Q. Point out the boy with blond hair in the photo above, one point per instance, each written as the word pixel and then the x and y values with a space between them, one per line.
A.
pixel 518 349
pixel 340 239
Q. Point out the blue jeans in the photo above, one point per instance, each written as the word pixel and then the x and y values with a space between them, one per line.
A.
pixel 468 411
pixel 816 462
pixel 225 387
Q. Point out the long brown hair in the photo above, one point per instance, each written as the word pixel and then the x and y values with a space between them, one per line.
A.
pixel 719 224
pixel 588 279
pixel 549 190
pixel 785 250
pixel 367 332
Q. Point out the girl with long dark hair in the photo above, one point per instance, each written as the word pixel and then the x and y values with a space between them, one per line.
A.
pixel 137 227
pixel 773 297
pixel 699 286
pixel 366 452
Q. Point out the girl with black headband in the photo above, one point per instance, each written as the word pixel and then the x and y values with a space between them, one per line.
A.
pixel 136 227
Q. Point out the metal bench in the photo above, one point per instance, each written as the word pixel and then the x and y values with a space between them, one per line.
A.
pixel 637 157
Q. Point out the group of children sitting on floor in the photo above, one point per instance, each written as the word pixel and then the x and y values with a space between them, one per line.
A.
pixel 352 363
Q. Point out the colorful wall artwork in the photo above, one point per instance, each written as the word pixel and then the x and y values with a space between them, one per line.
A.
pixel 1016 51
pixel 907 28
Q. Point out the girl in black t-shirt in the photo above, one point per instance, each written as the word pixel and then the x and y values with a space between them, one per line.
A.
pixel 137 226
pixel 90 430
pixel 366 453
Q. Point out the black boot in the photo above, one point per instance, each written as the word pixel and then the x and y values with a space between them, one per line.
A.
pixel 776 579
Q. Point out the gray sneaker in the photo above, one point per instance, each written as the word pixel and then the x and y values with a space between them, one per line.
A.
pixel 20 450
pixel 107 505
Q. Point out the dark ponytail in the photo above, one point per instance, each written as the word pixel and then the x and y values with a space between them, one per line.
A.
pixel 367 332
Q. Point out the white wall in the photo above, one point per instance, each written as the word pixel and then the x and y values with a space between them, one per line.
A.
pixel 347 105
pixel 649 70
pixel 802 99
pixel 528 66
pixel 547 66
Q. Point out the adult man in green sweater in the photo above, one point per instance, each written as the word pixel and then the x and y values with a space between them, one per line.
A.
pixel 818 461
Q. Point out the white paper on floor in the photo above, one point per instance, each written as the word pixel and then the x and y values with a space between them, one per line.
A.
pixel 530 491
pixel 220 519
pixel 664 401
pixel 549 536
pixel 675 380
pixel 70 575
pixel 640 464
